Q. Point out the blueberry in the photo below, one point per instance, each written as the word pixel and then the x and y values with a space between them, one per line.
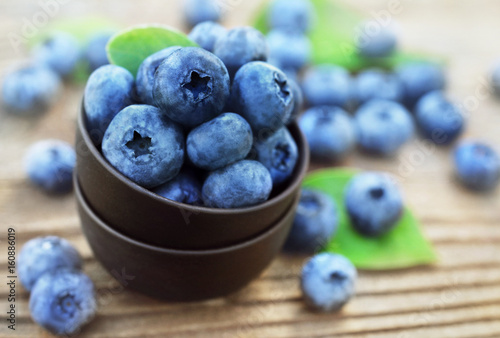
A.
pixel 279 154
pixel 242 184
pixel 60 52
pixel 109 90
pixel 49 165
pixel 207 33
pixel 63 302
pixel 144 145
pixel 146 74
pixel 184 188
pixel 375 41
pixel 224 140
pixel 315 222
pixel 297 15
pixel 240 46
pixel 439 120
pixel 330 132
pixel 191 86
pixel 30 90
pixel 262 95
pixel 419 79
pixel 95 51
pixel 291 50
pixel 374 203
pixel 495 79
pixel 45 255
pixel 477 165
pixel 327 85
pixel 383 126
pixel 198 11
pixel 328 281
pixel 298 100
pixel 376 84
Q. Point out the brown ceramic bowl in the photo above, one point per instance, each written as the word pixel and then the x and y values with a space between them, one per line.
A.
pixel 140 214
pixel 178 275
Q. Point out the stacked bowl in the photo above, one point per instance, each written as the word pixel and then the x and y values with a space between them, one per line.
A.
pixel 174 251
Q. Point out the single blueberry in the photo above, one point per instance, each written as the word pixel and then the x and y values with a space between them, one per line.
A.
pixel 144 145
pixel 198 11
pixel 184 188
pixel 438 119
pixel 374 203
pixel 30 90
pixel 328 281
pixel 63 302
pixel 495 78
pixel 315 222
pixel 207 33
pixel 241 184
pixel 327 85
pixel 45 255
pixel 419 79
pixel 60 52
pixel 279 154
pixel 146 74
pixel 49 165
pixel 262 95
pixel 377 84
pixel 240 46
pixel 383 126
pixel 298 100
pixel 477 165
pixel 296 15
pixel 330 132
pixel 191 86
pixel 289 49
pixel 109 90
pixel 95 51
pixel 375 41
pixel 224 140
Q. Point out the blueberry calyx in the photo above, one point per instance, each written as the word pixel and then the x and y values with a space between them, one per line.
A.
pixel 377 193
pixel 140 145
pixel 199 85
pixel 281 81
pixel 66 303
pixel 281 155
pixel 337 276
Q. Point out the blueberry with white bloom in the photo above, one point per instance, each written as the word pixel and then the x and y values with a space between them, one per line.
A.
pixel 477 165
pixel 328 282
pixel 49 165
pixel 316 221
pixel 383 126
pixel 374 203
pixel 330 132
pixel 438 118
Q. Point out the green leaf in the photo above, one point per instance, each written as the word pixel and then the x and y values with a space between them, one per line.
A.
pixel 130 47
pixel 403 247
pixel 333 36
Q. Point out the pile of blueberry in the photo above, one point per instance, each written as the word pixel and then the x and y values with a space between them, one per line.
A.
pixel 204 126
pixel 62 297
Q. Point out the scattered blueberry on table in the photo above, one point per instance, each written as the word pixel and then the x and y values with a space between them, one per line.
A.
pixel 30 90
pixel 49 165
pixel 327 85
pixel 95 50
pixel 63 301
pixel 43 255
pixel 377 84
pixel 60 52
pixel 477 165
pixel 291 15
pixel 418 79
pixel 438 119
pixel 330 132
pixel 374 203
pixel 315 223
pixel 198 11
pixel 383 126
pixel 207 33
pixel 289 50
pixel 495 78
pixel 328 282
pixel 298 100
pixel 375 40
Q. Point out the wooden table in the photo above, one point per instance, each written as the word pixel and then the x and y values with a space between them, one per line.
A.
pixel 459 297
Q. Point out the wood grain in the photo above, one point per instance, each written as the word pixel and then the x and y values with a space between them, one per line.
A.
pixel 458 297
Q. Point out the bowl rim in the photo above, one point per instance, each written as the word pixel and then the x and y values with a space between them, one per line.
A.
pixel 301 165
pixel 88 210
